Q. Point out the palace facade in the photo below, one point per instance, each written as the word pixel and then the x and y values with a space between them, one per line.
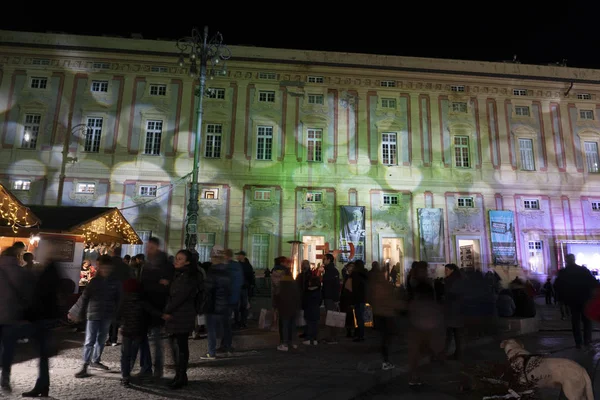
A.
pixel 290 136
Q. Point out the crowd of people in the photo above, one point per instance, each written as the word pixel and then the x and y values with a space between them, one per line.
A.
pixel 150 295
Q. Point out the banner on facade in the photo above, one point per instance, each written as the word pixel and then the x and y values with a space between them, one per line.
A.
pixel 504 246
pixel 352 230
pixel 431 232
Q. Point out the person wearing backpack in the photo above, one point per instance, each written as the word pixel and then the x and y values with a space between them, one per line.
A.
pixel 217 293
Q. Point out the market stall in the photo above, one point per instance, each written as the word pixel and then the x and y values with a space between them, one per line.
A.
pixel 16 221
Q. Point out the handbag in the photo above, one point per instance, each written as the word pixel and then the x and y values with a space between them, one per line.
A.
pixel 335 319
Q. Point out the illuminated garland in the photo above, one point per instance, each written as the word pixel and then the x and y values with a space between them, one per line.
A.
pixel 10 210
pixel 113 223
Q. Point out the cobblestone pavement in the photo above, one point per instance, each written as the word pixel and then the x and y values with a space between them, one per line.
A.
pixel 254 371
pixel 446 381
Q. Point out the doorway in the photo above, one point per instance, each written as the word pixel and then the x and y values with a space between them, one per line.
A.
pixel 392 251
pixel 309 249
pixel 469 253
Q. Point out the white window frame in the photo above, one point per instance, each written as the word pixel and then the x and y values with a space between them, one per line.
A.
pixel 157 89
pixel 21 185
pixel 460 107
pixel 213 143
pixel 526 155
pixel 264 142
pixel 584 96
pixel 389 148
pixel 267 96
pixel 522 111
pixel 99 86
pixel 85 188
pixel 455 147
pixel 40 61
pixel 260 246
pixel 457 88
pixel 315 79
pixel 314 197
pixel 268 76
pixel 316 99
pixel 216 93
pixel 535 252
pixel 390 200
pixel 153 135
pixel 159 69
pixel 93 135
pixel 100 65
pixel 32 126
pixel 531 204
pixel 314 145
pixel 595 205
pixel 520 92
pixel 388 83
pixel 39 82
pixel 262 195
pixel 465 202
pixel 147 190
pixel 388 103
pixel 136 249
pixel 586 114
pixel 210 194
pixel 592 156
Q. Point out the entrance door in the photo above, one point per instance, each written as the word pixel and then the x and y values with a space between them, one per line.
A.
pixel 469 253
pixel 309 249
pixel 392 250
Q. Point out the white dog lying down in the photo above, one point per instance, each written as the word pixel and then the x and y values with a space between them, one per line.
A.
pixel 548 372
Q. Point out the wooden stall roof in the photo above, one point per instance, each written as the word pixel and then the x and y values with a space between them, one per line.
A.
pixel 14 215
pixel 97 224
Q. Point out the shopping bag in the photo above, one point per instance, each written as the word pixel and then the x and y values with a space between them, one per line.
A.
pixel 335 319
pixel 368 316
pixel 300 319
pixel 201 320
pixel 266 319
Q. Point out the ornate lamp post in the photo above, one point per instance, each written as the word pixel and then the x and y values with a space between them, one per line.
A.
pixel 200 49
pixel 80 128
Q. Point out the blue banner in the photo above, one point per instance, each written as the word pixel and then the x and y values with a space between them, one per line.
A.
pixel 502 233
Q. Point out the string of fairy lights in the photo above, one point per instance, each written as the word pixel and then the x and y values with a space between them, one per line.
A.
pixel 15 214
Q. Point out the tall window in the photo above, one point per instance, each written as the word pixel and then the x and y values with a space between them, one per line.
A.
pixel 213 140
pixel 93 135
pixel 206 241
pixel 389 154
pixel 536 256
pixel 526 149
pixel 260 250
pixel 315 145
pixel 591 157
pixel 31 130
pixel 153 137
pixel 461 151
pixel 264 142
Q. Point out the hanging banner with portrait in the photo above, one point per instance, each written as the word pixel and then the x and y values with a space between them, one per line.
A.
pixel 352 231
pixel 431 232
pixel 504 246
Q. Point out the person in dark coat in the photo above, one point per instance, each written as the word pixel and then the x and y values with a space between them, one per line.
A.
pixel 121 272
pixel 312 310
pixel 453 310
pixel 359 297
pixel 241 314
pixel 180 313
pixel 331 292
pixel 575 285
pixel 303 280
pixel 217 289
pixel 133 326
pixel 287 302
pixel 98 303
pixel 42 315
pixel 346 300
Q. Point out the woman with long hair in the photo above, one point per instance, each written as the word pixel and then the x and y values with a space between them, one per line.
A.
pixel 180 313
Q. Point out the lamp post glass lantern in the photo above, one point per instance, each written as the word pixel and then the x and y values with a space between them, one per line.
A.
pixel 200 50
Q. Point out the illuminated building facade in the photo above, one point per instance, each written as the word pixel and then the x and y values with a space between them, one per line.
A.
pixel 290 136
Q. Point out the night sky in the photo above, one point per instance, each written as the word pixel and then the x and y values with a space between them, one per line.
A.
pixel 537 32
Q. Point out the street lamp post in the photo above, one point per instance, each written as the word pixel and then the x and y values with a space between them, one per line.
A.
pixel 201 50
pixel 65 159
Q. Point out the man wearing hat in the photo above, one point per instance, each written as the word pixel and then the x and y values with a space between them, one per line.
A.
pixel 241 312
